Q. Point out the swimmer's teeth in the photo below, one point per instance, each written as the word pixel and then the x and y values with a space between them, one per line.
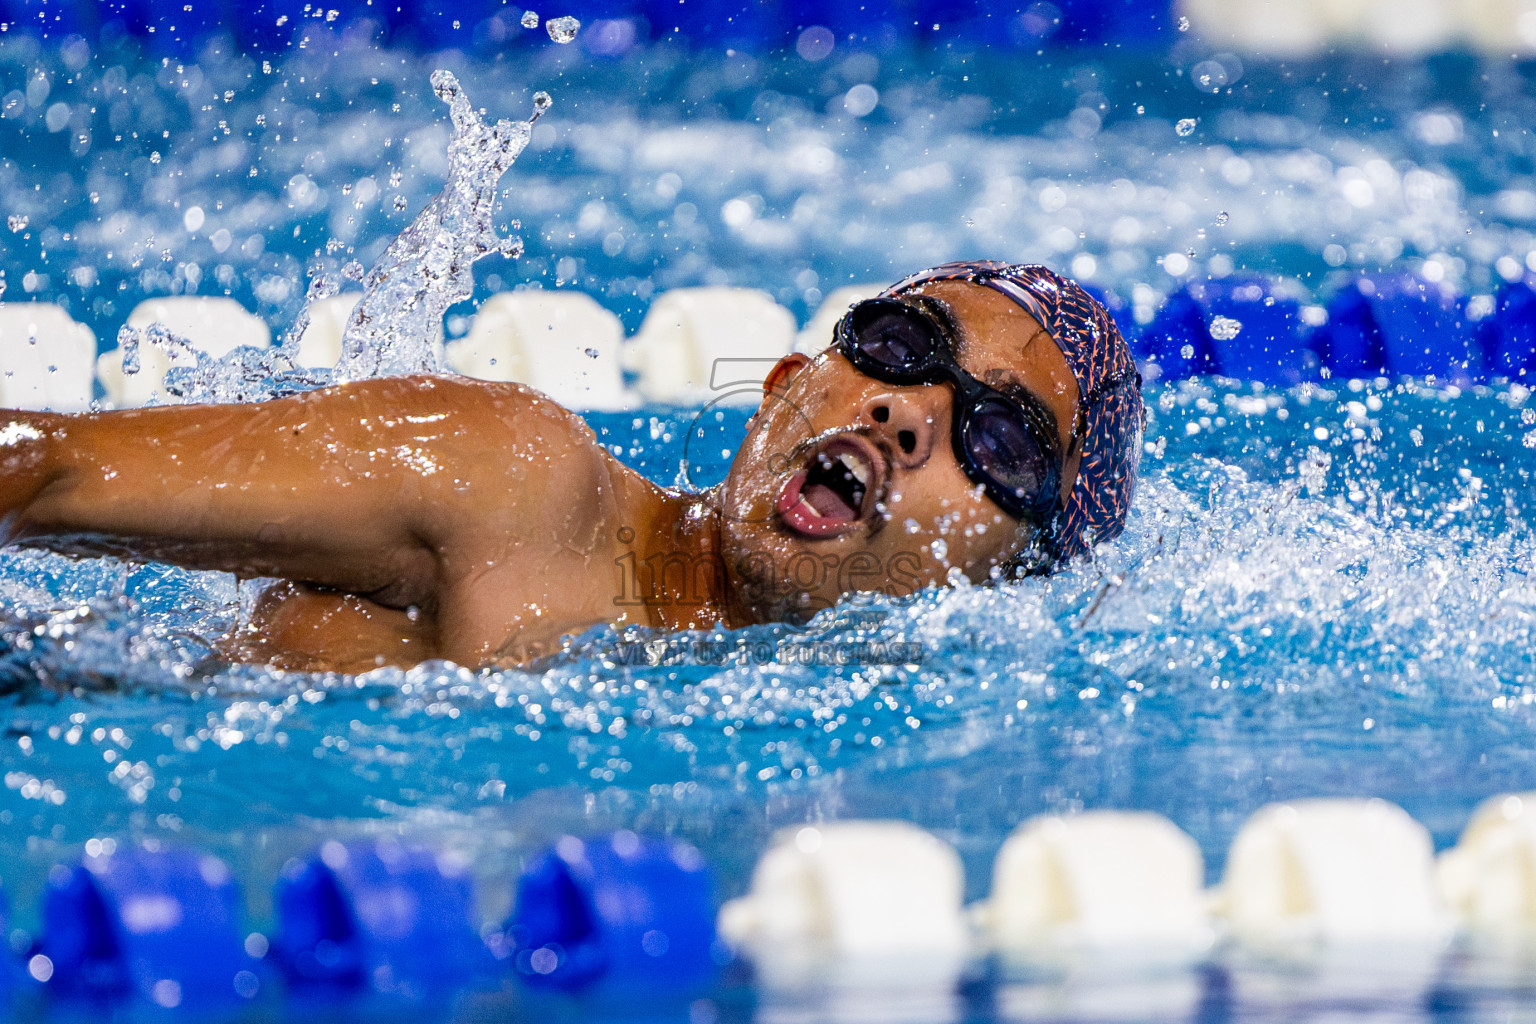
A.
pixel 857 466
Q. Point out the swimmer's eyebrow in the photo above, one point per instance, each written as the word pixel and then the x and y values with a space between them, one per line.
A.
pixel 997 378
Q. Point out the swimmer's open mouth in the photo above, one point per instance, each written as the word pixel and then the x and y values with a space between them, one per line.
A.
pixel 836 490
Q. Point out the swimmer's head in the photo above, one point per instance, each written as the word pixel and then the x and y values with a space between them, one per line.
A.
pixel 976 419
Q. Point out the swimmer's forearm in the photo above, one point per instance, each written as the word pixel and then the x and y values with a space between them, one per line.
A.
pixel 297 488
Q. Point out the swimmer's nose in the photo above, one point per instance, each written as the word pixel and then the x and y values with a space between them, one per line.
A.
pixel 906 421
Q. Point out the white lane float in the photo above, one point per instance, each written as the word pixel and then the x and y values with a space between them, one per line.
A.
pixel 1332 872
pixel 705 345
pixel 1332 901
pixel 1097 916
pixel 1299 28
pixel 866 905
pixel 212 324
pixel 562 343
pixel 1122 883
pixel 1502 28
pixel 1489 877
pixel 320 344
pixel 45 358
pixel 817 334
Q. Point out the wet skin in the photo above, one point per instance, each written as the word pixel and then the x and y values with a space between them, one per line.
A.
pixel 440 517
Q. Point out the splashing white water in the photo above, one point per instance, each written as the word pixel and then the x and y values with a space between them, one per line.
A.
pixel 397 326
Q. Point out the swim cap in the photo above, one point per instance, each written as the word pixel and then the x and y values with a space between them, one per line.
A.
pixel 1108 388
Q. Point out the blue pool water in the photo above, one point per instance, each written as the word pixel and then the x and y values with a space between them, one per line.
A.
pixel 1286 617
pixel 1322 590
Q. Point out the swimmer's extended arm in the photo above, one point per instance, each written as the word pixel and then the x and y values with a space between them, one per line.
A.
pixel 367 487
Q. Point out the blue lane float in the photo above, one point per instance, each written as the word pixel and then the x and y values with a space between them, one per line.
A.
pixel 749 24
pixel 392 918
pixel 1509 336
pixel 1239 327
pixel 1398 325
pixel 163 924
pixel 617 916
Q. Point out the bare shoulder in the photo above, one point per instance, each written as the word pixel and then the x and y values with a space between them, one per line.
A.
pixel 488 412
pixel 491 456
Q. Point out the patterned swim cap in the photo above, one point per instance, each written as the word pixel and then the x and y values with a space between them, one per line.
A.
pixel 1108 388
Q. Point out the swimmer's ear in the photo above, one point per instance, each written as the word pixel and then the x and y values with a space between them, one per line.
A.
pixel 783 372
pixel 778 380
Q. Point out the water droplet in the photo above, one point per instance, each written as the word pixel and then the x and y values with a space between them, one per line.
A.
pixel 1185 127
pixel 128 342
pixel 346 189
pixel 1224 328
pixel 591 353
pixel 530 19
pixel 1188 351
pixel 1183 24
pixel 562 30
pixel 17 222
pixel 352 271
pixel 400 203
pixel 1222 218
pixel 394 179
pixel 541 101
pixel 154 157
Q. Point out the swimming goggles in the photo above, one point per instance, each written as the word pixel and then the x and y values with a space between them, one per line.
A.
pixel 1005 444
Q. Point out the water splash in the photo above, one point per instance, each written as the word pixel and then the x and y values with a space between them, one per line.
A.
pixel 1224 328
pixel 562 30
pixel 321 286
pixel 397 326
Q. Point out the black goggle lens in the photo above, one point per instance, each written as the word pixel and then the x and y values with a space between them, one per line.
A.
pixel 1005 450
pixel 998 443
pixel 893 335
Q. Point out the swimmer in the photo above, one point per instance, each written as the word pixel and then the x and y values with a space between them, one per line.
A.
pixel 978 419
